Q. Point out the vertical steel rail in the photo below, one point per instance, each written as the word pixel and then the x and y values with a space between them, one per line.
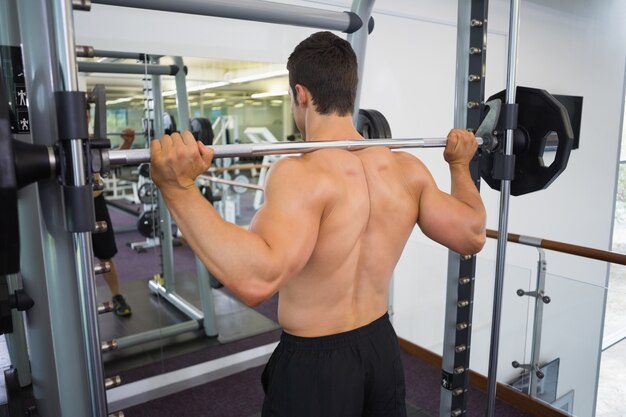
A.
pixel 64 29
pixel 59 374
pixel 464 13
pixel 469 111
pixel 209 321
pixel 61 368
pixel 537 322
pixel 166 244
pixel 182 101
pixel 505 194
pixel 358 40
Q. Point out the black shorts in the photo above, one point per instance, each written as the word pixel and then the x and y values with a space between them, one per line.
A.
pixel 103 244
pixel 352 374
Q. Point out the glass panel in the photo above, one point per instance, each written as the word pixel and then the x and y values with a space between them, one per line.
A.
pixel 421 294
pixel 570 344
pixel 612 381
pixel 515 322
pixel 425 297
pixel 615 318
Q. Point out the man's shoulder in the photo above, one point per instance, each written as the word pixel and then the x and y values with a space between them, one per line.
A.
pixel 290 169
pixel 288 164
pixel 408 160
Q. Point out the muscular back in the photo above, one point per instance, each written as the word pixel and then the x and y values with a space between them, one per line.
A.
pixel 370 208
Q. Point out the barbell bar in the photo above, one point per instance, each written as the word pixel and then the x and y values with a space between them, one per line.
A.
pixel 137 156
pixel 484 138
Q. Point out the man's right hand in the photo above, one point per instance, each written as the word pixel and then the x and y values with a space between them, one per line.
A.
pixel 176 162
pixel 460 148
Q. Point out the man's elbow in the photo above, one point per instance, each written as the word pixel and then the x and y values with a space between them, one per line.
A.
pixel 253 295
pixel 474 243
pixel 478 242
pixel 254 300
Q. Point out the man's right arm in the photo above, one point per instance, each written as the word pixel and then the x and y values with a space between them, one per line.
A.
pixel 456 220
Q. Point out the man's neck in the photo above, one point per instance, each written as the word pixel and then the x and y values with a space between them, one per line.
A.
pixel 330 127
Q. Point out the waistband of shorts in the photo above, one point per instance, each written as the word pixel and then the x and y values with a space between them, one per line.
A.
pixel 335 340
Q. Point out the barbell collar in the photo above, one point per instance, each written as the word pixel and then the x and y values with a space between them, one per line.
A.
pixel 137 156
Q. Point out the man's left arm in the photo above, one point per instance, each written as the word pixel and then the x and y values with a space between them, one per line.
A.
pixel 254 264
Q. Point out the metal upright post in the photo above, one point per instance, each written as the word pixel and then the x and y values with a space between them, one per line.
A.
pixel 358 40
pixel 540 300
pixel 505 194
pixel 182 100
pixel 165 226
pixel 469 98
pixel 57 268
pixel 206 293
pixel 80 183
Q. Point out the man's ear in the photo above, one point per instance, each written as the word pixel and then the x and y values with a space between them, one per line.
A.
pixel 301 95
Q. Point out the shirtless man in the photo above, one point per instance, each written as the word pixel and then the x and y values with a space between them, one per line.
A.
pixel 327 239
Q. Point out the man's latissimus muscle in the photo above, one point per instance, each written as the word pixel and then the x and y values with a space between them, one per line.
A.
pixel 313 301
pixel 368 220
pixel 376 199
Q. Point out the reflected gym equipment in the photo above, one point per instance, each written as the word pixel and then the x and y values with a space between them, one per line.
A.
pixel 202 130
pixel 147 224
pixel 372 124
pixel 147 193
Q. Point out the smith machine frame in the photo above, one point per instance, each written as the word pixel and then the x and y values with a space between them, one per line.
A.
pixel 66 366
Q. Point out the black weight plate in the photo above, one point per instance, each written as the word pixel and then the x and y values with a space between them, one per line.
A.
pixel 538 114
pixel 147 224
pixel 147 193
pixel 202 130
pixel 371 124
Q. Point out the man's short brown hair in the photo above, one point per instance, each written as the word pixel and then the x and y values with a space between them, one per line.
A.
pixel 326 65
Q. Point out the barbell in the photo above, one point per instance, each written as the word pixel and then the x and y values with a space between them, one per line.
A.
pixel 370 123
pixel 540 117
pixel 137 156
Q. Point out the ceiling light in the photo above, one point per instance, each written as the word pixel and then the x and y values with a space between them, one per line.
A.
pixel 262 76
pixel 238 80
pixel 200 87
pixel 119 100
pixel 270 94
pixel 216 84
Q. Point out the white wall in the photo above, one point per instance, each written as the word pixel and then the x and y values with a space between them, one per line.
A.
pixel 409 76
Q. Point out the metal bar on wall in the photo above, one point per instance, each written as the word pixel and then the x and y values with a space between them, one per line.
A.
pixel 268 12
